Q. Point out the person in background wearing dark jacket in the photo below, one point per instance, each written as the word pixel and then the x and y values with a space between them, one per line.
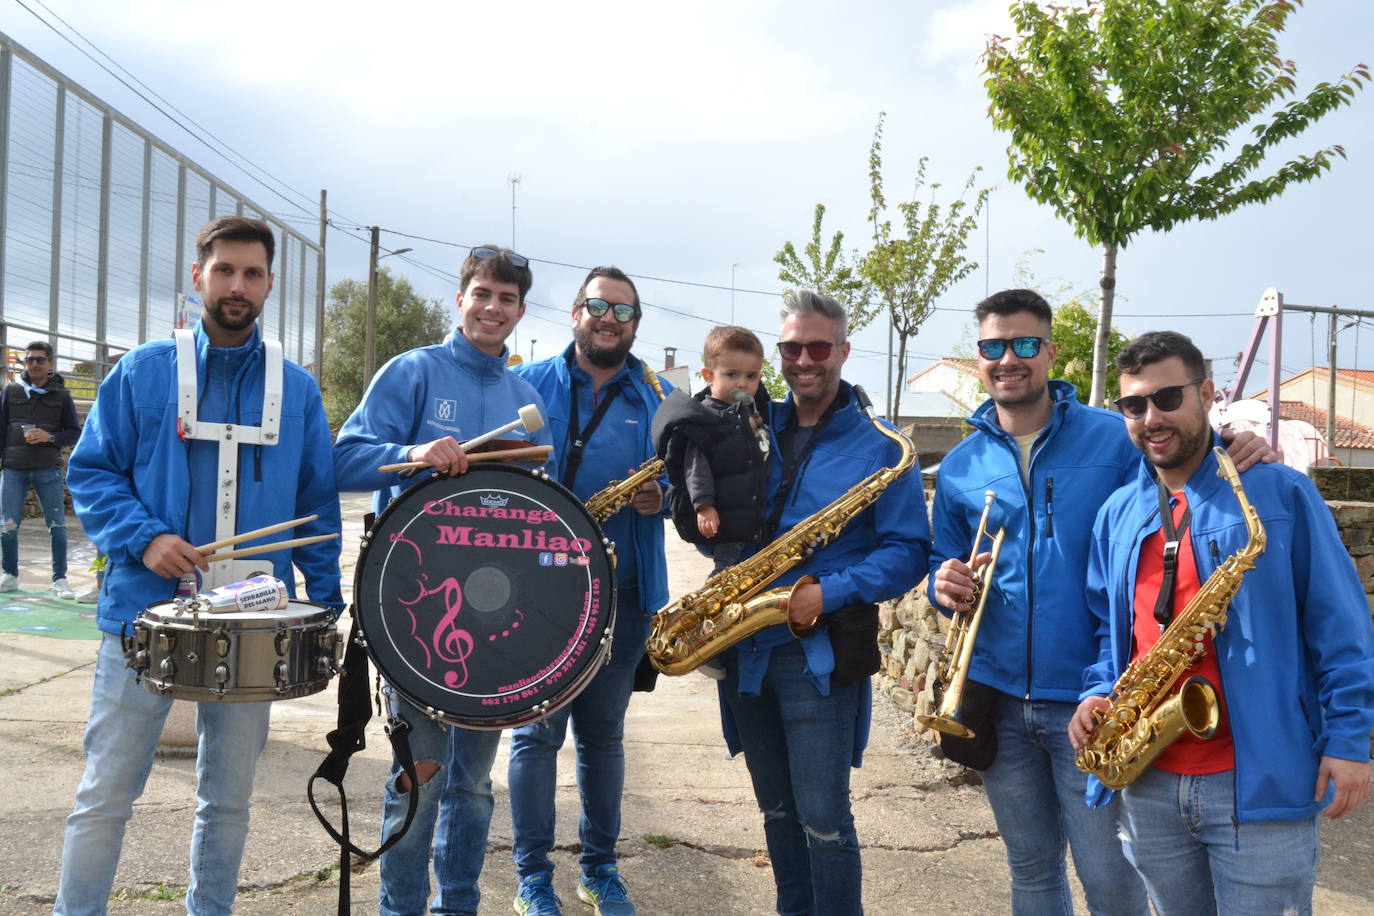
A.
pixel 1228 823
pixel 800 708
pixel 601 401
pixel 715 447
pixel 39 420
pixel 1052 463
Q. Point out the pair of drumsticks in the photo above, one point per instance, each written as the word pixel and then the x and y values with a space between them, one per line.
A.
pixel 530 418
pixel 208 550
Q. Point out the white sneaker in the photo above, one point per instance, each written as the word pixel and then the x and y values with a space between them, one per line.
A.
pixel 9 583
pixel 90 597
pixel 62 590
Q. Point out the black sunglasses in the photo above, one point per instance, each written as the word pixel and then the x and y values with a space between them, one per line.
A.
pixel 818 350
pixel 40 360
pixel 1024 347
pixel 516 260
pixel 1166 399
pixel 623 313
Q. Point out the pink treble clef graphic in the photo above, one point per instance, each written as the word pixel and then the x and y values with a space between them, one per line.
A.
pixel 450 641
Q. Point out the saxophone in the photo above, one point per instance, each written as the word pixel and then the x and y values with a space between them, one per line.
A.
pixel 1142 718
pixel 617 494
pixel 733 605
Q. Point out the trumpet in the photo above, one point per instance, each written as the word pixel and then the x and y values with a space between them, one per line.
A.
pixel 952 671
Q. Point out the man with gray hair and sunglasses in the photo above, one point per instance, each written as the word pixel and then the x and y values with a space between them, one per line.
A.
pixel 418 407
pixel 1051 463
pixel 799 708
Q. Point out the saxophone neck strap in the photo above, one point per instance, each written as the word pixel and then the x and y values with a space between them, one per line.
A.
pixel 793 447
pixel 1173 537
pixel 578 438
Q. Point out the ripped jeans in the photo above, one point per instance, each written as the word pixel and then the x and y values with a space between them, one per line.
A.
pixel 452 818
pixel 799 746
pixel 14 488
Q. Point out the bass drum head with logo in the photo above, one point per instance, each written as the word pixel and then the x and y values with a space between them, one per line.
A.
pixel 486 599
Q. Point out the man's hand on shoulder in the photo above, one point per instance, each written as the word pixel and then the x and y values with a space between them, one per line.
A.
pixel 1352 784
pixel 1247 449
pixel 169 556
pixel 444 455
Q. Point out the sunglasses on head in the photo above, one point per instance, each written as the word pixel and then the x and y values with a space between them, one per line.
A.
pixel 818 350
pixel 1024 347
pixel 1166 399
pixel 39 360
pixel 623 313
pixel 516 260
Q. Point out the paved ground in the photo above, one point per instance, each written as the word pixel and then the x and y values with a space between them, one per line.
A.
pixel 691 840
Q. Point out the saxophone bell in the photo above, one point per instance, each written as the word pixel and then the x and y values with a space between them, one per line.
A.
pixel 952 671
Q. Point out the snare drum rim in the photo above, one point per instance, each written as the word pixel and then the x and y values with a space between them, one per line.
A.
pixel 289 617
pixel 510 715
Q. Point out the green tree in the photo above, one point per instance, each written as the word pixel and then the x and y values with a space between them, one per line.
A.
pixel 1075 335
pixel 405 320
pixel 826 270
pixel 909 275
pixel 1119 111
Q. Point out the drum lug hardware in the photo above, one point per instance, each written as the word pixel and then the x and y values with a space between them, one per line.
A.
pixel 282 642
pixel 279 673
pixel 222 643
pixel 166 642
pixel 193 657
pixel 167 670
pixel 221 674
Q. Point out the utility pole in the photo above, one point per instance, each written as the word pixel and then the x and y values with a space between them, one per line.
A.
pixel 514 180
pixel 370 324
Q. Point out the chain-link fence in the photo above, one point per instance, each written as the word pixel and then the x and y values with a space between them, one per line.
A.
pixel 97 225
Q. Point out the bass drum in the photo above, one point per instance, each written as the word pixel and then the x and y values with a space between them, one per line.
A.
pixel 488 599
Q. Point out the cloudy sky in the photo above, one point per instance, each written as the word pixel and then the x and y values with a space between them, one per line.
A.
pixel 687 143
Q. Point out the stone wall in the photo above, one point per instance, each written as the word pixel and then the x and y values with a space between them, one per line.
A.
pixel 912 633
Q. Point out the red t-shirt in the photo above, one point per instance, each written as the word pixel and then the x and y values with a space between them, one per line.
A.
pixel 1188 754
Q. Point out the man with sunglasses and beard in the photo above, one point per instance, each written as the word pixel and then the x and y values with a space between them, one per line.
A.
pixel 417 408
pixel 601 401
pixel 800 708
pixel 1052 462
pixel 1228 823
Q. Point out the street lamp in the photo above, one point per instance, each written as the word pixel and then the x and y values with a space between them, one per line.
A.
pixel 370 323
pixel 533 341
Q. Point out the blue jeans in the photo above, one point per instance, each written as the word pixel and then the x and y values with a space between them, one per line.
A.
pixel 598 724
pixel 121 735
pixel 457 800
pixel 1196 858
pixel 799 747
pixel 14 488
pixel 1036 794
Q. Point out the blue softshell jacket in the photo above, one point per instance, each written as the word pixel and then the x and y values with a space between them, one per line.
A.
pixel 621 442
pixel 1037 634
pixel 447 389
pixel 132 477
pixel 880 554
pixel 1297 652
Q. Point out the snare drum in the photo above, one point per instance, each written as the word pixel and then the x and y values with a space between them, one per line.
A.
pixel 486 600
pixel 244 656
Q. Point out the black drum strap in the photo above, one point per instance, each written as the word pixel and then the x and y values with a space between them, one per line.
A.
pixel 355 710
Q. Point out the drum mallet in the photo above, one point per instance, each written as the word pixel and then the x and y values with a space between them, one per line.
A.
pixel 530 418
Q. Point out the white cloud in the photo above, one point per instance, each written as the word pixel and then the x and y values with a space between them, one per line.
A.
pixel 959 32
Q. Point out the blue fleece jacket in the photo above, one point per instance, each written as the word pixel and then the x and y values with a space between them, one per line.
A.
pixel 1297 652
pixel 132 477
pixel 448 389
pixel 880 554
pixel 1037 635
pixel 621 442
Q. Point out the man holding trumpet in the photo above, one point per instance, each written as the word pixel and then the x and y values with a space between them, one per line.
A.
pixel 436 396
pixel 1051 463
pixel 150 478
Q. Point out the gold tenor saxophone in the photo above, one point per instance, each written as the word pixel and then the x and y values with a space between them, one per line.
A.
pixel 1142 718
pixel 733 605
pixel 952 671
pixel 617 494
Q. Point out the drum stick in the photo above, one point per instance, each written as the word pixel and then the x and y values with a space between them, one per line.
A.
pixel 255 533
pixel 268 548
pixel 526 451
pixel 530 418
